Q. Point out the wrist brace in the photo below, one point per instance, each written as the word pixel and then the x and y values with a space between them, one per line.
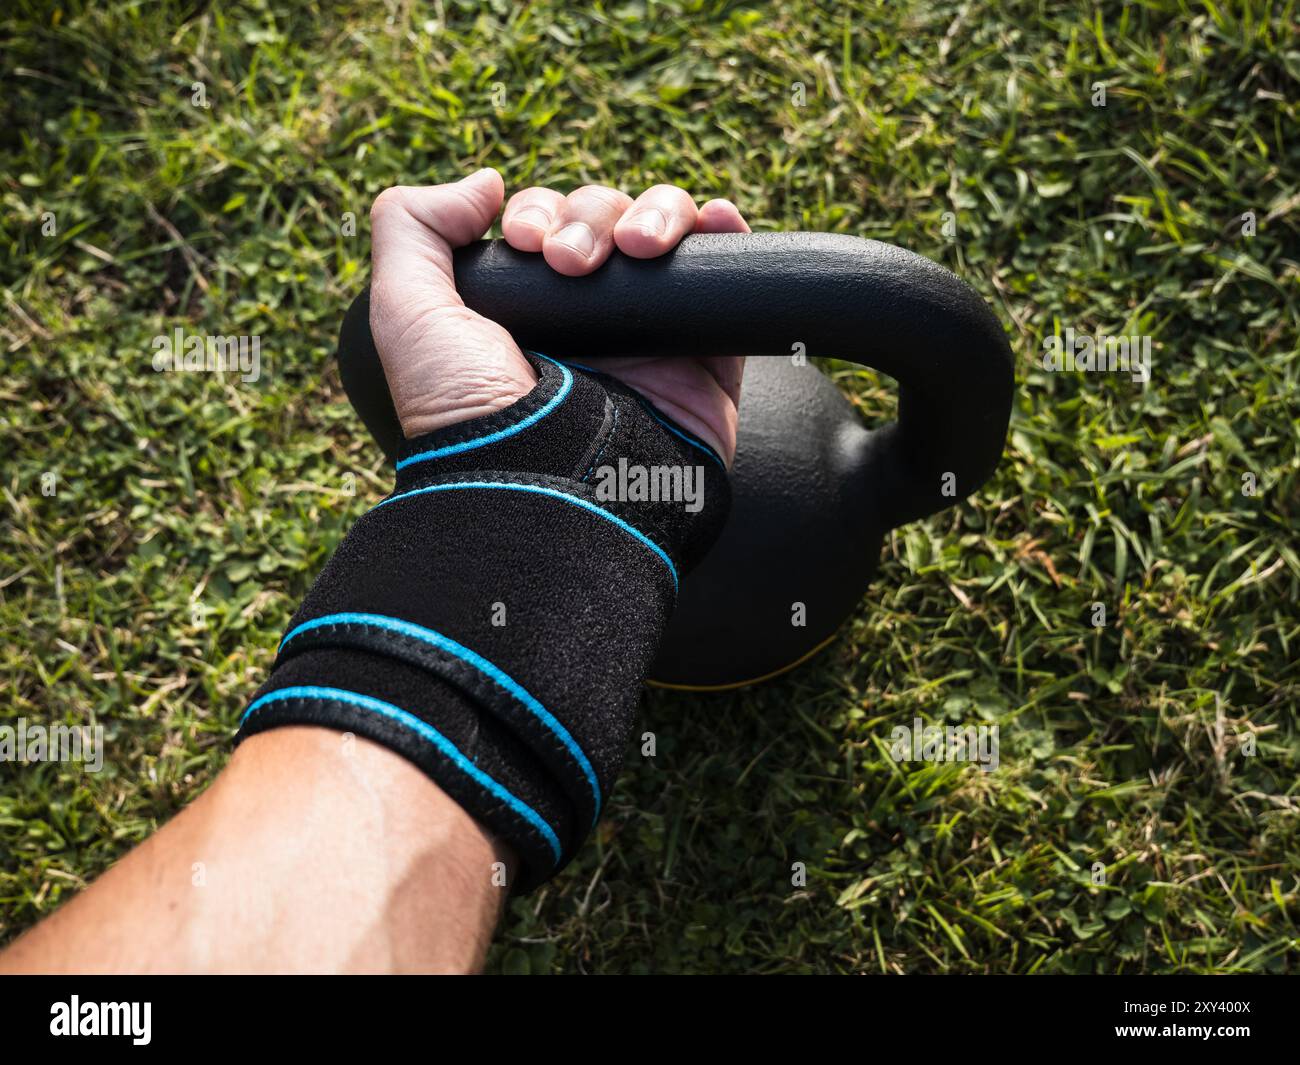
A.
pixel 492 620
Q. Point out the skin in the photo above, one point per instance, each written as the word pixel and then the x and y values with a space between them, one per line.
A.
pixel 444 363
pixel 316 851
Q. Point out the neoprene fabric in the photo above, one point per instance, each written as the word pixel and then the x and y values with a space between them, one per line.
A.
pixel 493 619
pixel 815 489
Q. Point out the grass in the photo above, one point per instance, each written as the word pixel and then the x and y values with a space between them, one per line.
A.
pixel 190 514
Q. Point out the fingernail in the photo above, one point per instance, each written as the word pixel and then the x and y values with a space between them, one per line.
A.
pixel 650 221
pixel 533 216
pixel 579 237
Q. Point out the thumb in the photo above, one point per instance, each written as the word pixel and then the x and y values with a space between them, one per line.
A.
pixel 444 363
pixel 414 229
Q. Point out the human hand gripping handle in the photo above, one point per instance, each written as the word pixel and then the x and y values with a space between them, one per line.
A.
pixel 492 619
pixel 445 364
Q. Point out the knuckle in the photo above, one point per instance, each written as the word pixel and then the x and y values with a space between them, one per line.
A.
pixel 599 195
pixel 531 197
pixel 670 192
pixel 390 200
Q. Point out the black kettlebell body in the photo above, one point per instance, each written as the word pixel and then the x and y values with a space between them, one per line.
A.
pixel 814 490
pixel 797 551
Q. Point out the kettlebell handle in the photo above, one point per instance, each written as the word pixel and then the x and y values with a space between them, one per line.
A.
pixel 763 294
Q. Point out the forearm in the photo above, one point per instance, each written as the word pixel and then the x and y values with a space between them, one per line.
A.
pixel 314 851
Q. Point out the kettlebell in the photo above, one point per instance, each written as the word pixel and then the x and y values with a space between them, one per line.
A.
pixel 814 490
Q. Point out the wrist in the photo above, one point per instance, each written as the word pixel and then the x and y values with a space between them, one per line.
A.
pixel 492 620
pixel 478 399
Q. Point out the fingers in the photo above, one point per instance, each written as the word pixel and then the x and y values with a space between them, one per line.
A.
pixel 577 233
pixel 582 235
pixel 659 218
pixel 530 216
pixel 720 216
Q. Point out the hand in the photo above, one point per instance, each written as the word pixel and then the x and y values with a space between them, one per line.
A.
pixel 446 364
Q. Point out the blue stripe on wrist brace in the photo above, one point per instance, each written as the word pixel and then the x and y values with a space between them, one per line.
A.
pixel 493 619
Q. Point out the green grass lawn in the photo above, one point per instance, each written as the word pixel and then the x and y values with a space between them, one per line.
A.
pixel 190 514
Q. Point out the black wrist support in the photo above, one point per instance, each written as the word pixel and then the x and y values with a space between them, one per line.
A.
pixel 492 620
